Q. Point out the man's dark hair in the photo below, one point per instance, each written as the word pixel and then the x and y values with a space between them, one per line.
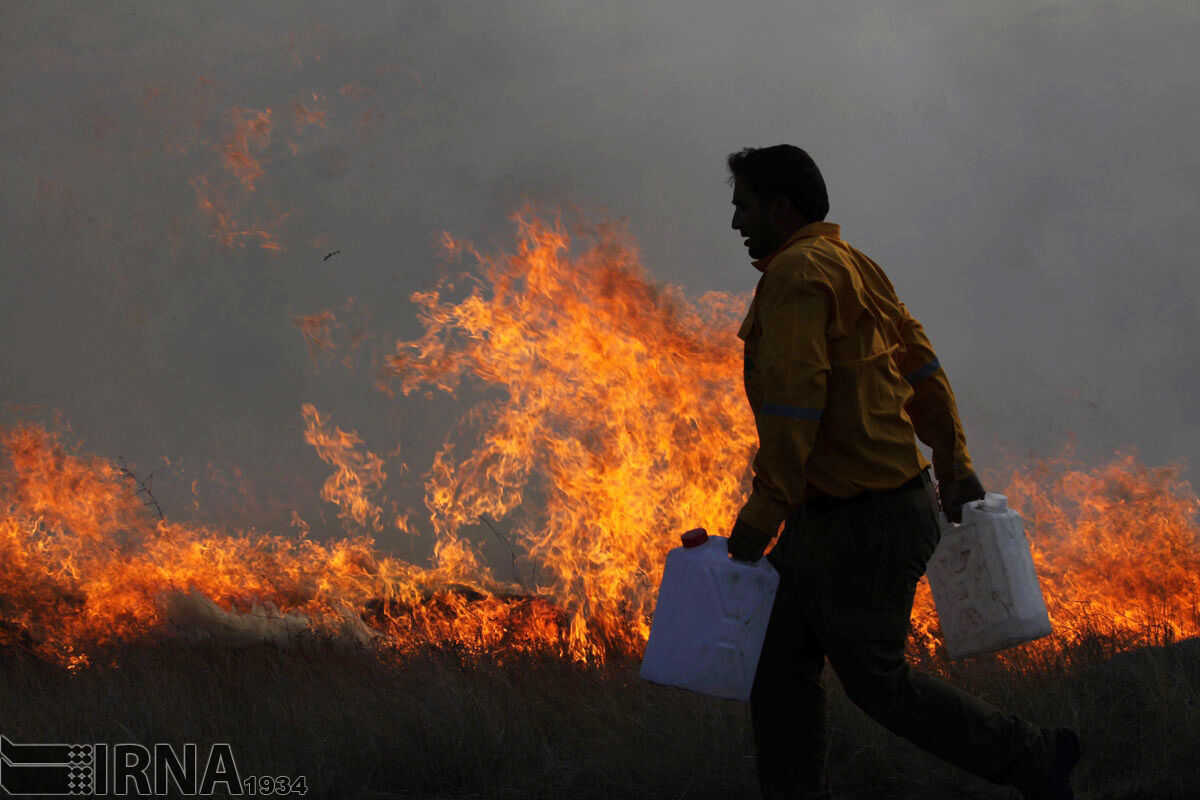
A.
pixel 783 170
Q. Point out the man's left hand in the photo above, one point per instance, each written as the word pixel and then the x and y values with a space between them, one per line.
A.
pixel 747 542
pixel 953 494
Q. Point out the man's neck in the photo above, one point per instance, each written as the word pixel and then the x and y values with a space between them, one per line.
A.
pixel 789 229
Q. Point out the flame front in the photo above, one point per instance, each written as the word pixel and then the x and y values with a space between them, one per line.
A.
pixel 618 421
pixel 609 418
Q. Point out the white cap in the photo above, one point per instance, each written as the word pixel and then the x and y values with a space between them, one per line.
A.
pixel 994 502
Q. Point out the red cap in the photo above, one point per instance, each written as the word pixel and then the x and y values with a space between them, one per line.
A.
pixel 694 537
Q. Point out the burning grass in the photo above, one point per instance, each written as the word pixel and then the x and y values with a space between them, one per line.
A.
pixel 87 565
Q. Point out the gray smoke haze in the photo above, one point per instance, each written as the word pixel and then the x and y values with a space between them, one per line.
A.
pixel 1025 172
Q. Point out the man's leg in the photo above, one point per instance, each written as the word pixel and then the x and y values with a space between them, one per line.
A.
pixel 865 609
pixel 787 703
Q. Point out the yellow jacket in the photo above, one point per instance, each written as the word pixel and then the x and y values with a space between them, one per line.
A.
pixel 841 379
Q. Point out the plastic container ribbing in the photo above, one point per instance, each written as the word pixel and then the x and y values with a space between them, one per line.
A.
pixel 983 581
pixel 710 619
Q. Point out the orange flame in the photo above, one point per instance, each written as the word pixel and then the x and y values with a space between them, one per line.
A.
pixel 249 137
pixel 1116 550
pixel 612 419
pixel 86 566
pixel 356 475
pixel 241 152
pixel 223 218
pixel 325 333
pixel 312 114
pixel 620 421
pixel 317 330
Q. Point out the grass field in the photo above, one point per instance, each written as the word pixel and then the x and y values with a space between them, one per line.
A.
pixel 438 725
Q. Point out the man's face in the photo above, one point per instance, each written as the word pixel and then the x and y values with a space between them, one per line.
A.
pixel 751 221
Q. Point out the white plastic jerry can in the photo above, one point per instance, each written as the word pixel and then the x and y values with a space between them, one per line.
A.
pixel 710 619
pixel 983 583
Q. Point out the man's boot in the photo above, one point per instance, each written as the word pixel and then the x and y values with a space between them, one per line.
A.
pixel 1066 756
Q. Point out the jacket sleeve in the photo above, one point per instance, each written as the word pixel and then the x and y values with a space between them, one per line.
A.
pixel 932 409
pixel 793 357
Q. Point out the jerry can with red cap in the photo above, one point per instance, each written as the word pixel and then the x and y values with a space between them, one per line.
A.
pixel 710 619
pixel 983 583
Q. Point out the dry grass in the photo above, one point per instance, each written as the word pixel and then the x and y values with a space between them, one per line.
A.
pixel 443 726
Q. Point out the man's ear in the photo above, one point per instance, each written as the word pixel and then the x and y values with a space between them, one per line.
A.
pixel 780 209
pixel 783 214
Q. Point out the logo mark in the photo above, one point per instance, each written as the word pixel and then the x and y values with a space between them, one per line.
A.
pixel 130 769
pixel 46 769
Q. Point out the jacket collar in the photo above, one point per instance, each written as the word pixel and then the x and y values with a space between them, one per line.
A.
pixel 810 230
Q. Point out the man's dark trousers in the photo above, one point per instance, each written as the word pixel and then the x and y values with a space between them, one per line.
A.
pixel 848 572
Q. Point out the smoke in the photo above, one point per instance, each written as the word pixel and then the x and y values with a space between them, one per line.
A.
pixel 1024 172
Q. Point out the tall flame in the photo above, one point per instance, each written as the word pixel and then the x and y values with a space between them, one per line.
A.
pixel 617 420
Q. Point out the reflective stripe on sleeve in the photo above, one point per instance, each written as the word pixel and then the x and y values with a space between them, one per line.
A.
pixel 774 409
pixel 923 372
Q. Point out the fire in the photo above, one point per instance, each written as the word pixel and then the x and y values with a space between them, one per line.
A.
pixel 234 192
pixel 610 419
pixel 86 566
pixel 251 134
pixel 1116 548
pixel 617 420
pixel 326 333
pixel 310 112
pixel 242 151
pixel 357 475
pixel 317 332
pixel 225 228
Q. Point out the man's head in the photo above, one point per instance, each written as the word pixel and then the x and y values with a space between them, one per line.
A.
pixel 776 191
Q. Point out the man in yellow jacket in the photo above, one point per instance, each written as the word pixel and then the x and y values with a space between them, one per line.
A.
pixel 842 381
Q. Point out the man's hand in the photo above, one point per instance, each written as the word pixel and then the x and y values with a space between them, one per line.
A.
pixel 747 543
pixel 953 494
